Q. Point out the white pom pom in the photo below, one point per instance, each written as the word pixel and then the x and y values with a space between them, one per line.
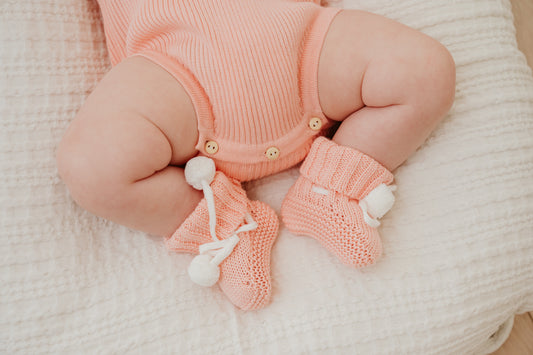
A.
pixel 202 271
pixel 199 169
pixel 380 200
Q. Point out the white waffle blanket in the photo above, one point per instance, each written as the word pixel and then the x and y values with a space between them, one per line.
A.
pixel 458 259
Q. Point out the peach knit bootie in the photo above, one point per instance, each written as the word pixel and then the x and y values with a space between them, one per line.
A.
pixel 337 199
pixel 232 235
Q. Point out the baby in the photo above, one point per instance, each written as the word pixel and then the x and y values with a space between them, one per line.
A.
pixel 241 89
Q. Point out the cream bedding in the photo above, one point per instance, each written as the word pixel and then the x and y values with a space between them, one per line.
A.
pixel 458 244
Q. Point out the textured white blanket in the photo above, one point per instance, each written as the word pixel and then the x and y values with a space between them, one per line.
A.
pixel 458 244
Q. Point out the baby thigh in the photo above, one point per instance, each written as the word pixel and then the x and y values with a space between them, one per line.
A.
pixel 389 84
pixel 120 155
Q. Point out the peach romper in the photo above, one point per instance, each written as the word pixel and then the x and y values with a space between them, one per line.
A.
pixel 249 66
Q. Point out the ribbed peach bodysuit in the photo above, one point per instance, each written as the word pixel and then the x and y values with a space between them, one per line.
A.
pixel 249 66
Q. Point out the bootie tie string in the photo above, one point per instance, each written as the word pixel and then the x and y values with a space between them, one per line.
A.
pixel 204 268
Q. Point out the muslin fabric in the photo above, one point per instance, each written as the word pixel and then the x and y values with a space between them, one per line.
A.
pixel 457 245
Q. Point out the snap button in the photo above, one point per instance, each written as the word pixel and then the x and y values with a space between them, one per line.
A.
pixel 211 147
pixel 315 123
pixel 272 153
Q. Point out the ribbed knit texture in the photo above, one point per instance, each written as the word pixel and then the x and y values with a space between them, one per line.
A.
pixel 334 217
pixel 245 274
pixel 249 66
pixel 231 205
pixel 343 169
pixel 457 245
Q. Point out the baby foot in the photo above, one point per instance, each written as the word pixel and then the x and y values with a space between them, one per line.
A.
pixel 233 236
pixel 337 199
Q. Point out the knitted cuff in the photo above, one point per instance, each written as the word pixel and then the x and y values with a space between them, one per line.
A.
pixel 231 205
pixel 343 169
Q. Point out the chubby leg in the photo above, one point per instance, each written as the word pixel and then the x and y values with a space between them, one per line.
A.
pixel 120 155
pixel 389 85
pixel 120 159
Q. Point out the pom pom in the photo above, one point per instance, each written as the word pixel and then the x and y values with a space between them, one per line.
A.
pixel 379 200
pixel 199 169
pixel 202 271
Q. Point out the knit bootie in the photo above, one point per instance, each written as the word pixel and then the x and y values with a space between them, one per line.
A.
pixel 232 234
pixel 337 199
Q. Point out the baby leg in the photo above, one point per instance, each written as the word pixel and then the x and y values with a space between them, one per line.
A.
pixel 120 156
pixel 390 86
pixel 120 159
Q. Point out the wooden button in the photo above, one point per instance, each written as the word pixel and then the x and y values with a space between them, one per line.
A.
pixel 315 123
pixel 211 147
pixel 272 153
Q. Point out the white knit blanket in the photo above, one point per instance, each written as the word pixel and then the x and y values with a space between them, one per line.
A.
pixel 458 244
